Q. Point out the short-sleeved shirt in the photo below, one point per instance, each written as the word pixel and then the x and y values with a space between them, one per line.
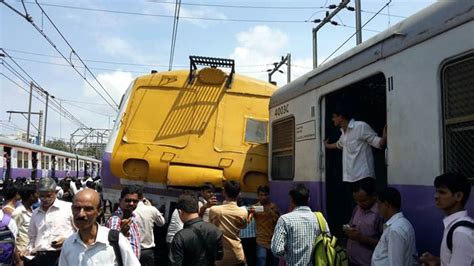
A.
pixel 369 223
pixel 294 236
pixel 357 157
pixel 463 241
pixel 397 245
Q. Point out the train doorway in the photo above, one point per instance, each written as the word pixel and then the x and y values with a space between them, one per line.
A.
pixel 7 154
pixel 367 100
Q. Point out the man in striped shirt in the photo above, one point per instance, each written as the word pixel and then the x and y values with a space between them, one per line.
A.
pixel 296 231
pixel 124 219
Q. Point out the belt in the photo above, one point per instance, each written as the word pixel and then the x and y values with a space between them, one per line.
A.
pixel 48 252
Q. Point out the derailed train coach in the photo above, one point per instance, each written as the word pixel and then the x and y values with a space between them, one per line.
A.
pixel 179 129
pixel 415 77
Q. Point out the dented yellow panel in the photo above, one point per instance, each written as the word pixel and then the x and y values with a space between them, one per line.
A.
pixel 177 133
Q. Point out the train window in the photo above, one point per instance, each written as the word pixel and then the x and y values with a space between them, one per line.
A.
pixel 26 156
pixel 61 164
pixel 283 140
pixel 256 131
pixel 45 162
pixel 458 112
pixel 19 159
pixel 73 165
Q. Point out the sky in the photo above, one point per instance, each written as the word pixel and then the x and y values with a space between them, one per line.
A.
pixel 120 40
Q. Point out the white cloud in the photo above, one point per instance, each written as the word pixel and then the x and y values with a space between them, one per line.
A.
pixel 258 47
pixel 115 83
pixel 115 46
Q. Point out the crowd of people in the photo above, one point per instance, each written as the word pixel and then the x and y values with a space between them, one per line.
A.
pixel 47 229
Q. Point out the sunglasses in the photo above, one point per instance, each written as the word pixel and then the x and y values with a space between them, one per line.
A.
pixel 131 201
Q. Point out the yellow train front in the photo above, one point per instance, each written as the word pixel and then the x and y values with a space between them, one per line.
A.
pixel 183 128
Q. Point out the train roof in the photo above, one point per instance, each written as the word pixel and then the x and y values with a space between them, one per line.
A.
pixel 240 84
pixel 429 22
pixel 29 146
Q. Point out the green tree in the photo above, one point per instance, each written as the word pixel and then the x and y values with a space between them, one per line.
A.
pixel 58 145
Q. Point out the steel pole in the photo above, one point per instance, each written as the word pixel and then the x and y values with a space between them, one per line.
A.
pixel 315 48
pixel 29 114
pixel 288 72
pixel 45 119
pixel 358 22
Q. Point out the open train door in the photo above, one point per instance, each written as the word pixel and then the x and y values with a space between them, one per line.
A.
pixel 367 100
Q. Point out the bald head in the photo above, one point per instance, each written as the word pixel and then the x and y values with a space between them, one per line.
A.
pixel 85 209
pixel 88 195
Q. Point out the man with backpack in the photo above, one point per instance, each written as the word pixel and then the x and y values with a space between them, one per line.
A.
pixel 8 232
pixel 295 232
pixel 199 242
pixel 94 244
pixel 457 246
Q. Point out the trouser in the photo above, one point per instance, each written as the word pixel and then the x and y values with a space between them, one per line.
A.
pixel 249 245
pixel 265 257
pixel 45 258
pixel 147 258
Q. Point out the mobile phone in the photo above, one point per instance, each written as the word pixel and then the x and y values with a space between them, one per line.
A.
pixel 126 214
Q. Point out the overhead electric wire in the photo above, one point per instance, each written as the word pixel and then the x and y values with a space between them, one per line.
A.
pixel 38 88
pixel 350 37
pixel 65 65
pixel 80 59
pixel 89 110
pixel 113 105
pixel 36 97
pixel 175 32
pixel 245 7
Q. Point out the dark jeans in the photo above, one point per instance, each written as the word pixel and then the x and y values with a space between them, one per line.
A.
pixel 147 258
pixel 45 258
pixel 250 250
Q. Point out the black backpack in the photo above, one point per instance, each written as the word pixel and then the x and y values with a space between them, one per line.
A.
pixel 7 240
pixel 449 238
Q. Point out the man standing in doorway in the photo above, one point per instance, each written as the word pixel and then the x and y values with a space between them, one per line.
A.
pixel 355 142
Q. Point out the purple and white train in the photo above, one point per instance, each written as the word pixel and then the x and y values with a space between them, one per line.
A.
pixel 417 78
pixel 22 159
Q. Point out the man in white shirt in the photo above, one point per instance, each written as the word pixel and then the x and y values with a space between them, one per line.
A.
pixel 397 244
pixel 50 225
pixel 90 245
pixel 147 216
pixel 356 142
pixel 22 216
pixel 206 200
pixel 452 193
